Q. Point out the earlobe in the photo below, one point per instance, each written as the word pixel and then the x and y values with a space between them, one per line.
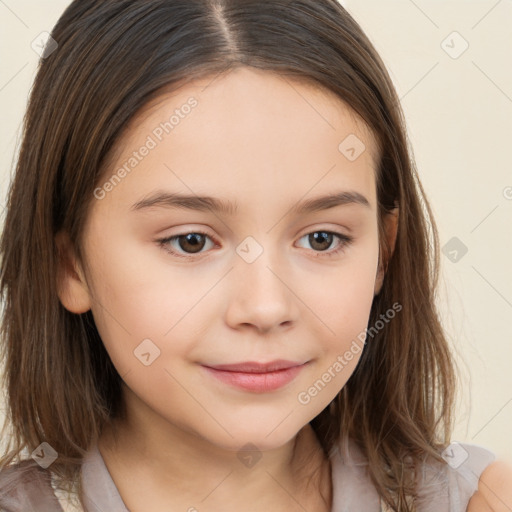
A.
pixel 71 285
pixel 391 229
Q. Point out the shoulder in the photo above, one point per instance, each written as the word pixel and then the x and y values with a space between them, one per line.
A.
pixel 450 485
pixel 26 486
pixel 494 493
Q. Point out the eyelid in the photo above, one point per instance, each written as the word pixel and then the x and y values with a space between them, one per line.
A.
pixel 326 228
pixel 164 241
pixel 344 241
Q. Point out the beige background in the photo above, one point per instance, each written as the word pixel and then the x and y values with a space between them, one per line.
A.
pixel 459 114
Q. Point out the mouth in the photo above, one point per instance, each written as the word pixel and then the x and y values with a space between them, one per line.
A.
pixel 256 367
pixel 256 377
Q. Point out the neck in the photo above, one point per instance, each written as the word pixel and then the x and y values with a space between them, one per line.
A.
pixel 167 462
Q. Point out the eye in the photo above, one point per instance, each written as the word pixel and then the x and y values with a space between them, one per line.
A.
pixel 186 245
pixel 191 243
pixel 320 241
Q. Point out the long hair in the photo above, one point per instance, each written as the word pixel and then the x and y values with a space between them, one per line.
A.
pixel 113 58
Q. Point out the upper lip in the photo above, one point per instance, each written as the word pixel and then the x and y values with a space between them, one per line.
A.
pixel 256 367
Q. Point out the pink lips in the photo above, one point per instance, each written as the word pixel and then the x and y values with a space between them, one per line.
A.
pixel 259 377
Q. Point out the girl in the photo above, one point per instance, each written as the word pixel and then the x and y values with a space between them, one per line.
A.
pixel 218 278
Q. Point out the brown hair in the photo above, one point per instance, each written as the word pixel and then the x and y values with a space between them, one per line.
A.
pixel 114 57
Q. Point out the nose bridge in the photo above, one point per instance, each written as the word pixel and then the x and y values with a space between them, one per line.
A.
pixel 260 293
pixel 257 266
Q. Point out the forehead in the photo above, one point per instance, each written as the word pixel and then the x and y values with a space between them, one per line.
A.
pixel 250 128
pixel 241 89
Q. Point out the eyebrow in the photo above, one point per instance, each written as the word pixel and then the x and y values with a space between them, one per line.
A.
pixel 161 199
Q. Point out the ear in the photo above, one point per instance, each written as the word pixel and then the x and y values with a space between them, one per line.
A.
pixel 390 227
pixel 72 288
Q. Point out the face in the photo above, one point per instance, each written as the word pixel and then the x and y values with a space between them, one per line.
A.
pixel 177 284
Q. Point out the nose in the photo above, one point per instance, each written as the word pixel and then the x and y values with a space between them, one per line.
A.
pixel 261 295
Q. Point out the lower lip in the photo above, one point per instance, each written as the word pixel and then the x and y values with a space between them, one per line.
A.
pixel 259 382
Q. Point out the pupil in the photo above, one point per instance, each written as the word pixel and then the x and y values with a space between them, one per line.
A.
pixel 195 241
pixel 319 237
pixel 192 241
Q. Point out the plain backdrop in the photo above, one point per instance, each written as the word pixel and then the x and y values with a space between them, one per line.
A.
pixel 451 62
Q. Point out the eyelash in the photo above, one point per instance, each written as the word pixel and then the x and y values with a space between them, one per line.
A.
pixel 345 241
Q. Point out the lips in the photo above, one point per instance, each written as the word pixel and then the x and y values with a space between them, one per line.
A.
pixel 256 367
pixel 256 377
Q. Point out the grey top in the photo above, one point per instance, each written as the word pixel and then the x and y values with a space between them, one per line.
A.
pixel 442 487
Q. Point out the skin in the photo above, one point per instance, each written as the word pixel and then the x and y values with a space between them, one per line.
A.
pixel 267 143
pixel 494 492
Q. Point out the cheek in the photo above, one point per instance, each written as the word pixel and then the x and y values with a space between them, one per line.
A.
pixel 140 296
pixel 340 331
pixel 341 294
pixel 130 301
pixel 343 311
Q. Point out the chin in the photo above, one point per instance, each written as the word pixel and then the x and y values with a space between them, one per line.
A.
pixel 256 437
